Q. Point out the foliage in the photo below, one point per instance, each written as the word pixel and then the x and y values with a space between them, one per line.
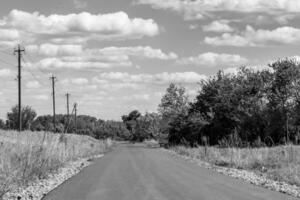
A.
pixel 247 108
pixel 27 114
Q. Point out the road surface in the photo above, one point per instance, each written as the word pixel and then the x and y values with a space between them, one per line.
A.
pixel 134 172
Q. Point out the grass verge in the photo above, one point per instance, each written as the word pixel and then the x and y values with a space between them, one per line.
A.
pixel 280 163
pixel 28 156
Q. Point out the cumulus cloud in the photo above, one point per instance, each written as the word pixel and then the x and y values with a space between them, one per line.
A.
pixel 48 49
pixel 76 63
pixel 33 85
pixel 218 26
pixel 76 57
pixel 260 37
pixel 79 81
pixel 139 51
pixel 5 72
pixel 213 59
pixel 196 9
pixel 79 4
pixel 160 78
pixel 32 27
pixel 41 97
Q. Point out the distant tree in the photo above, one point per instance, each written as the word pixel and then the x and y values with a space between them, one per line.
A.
pixel 27 113
pixel 147 127
pixel 173 103
pixel 130 121
pixel 2 124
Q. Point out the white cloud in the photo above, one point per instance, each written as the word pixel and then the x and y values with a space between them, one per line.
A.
pixel 218 26
pixel 143 97
pixel 74 56
pixel 33 85
pixel 71 28
pixel 160 78
pixel 41 97
pixel 79 4
pixel 48 49
pixel 77 63
pixel 260 37
pixel 79 81
pixel 195 9
pixel 213 59
pixel 5 72
pixel 139 51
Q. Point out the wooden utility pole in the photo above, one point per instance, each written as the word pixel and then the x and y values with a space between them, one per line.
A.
pixel 19 52
pixel 68 109
pixel 75 120
pixel 53 79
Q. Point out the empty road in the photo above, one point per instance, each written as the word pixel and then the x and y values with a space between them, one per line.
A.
pixel 134 172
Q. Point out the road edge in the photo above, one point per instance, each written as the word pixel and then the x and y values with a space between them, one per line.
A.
pixel 247 176
pixel 38 189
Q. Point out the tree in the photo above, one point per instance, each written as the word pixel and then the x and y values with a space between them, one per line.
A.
pixel 27 113
pixel 173 103
pixel 284 94
pixel 147 126
pixel 130 121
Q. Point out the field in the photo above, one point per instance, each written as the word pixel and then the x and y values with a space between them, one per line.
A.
pixel 280 163
pixel 28 156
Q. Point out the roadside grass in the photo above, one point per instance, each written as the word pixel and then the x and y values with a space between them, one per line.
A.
pixel 28 156
pixel 280 163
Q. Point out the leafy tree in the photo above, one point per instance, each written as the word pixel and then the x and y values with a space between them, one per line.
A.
pixel 173 103
pixel 283 94
pixel 130 121
pixel 27 114
pixel 147 127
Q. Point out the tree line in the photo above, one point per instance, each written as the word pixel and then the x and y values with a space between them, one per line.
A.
pixel 249 108
pixel 86 125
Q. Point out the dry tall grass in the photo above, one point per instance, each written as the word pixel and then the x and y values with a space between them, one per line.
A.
pixel 280 163
pixel 32 155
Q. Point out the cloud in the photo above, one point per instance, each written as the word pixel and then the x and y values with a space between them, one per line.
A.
pixel 197 9
pixel 48 49
pixel 260 37
pixel 160 78
pixel 79 4
pixel 5 72
pixel 76 57
pixel 213 59
pixel 33 85
pixel 218 26
pixel 79 81
pixel 77 63
pixel 138 51
pixel 41 97
pixel 71 28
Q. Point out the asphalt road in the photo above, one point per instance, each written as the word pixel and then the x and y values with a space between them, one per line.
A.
pixel 134 172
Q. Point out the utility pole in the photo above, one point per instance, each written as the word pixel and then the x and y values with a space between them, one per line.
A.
pixel 68 111
pixel 75 120
pixel 53 79
pixel 19 52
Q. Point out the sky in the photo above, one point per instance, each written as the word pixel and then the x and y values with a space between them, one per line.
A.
pixel 119 55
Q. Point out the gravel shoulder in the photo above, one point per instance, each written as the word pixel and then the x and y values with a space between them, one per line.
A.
pixel 38 189
pixel 247 176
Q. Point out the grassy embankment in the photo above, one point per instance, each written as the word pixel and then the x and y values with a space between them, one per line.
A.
pixel 33 155
pixel 280 163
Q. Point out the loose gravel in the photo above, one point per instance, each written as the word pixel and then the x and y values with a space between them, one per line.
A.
pixel 39 188
pixel 247 176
